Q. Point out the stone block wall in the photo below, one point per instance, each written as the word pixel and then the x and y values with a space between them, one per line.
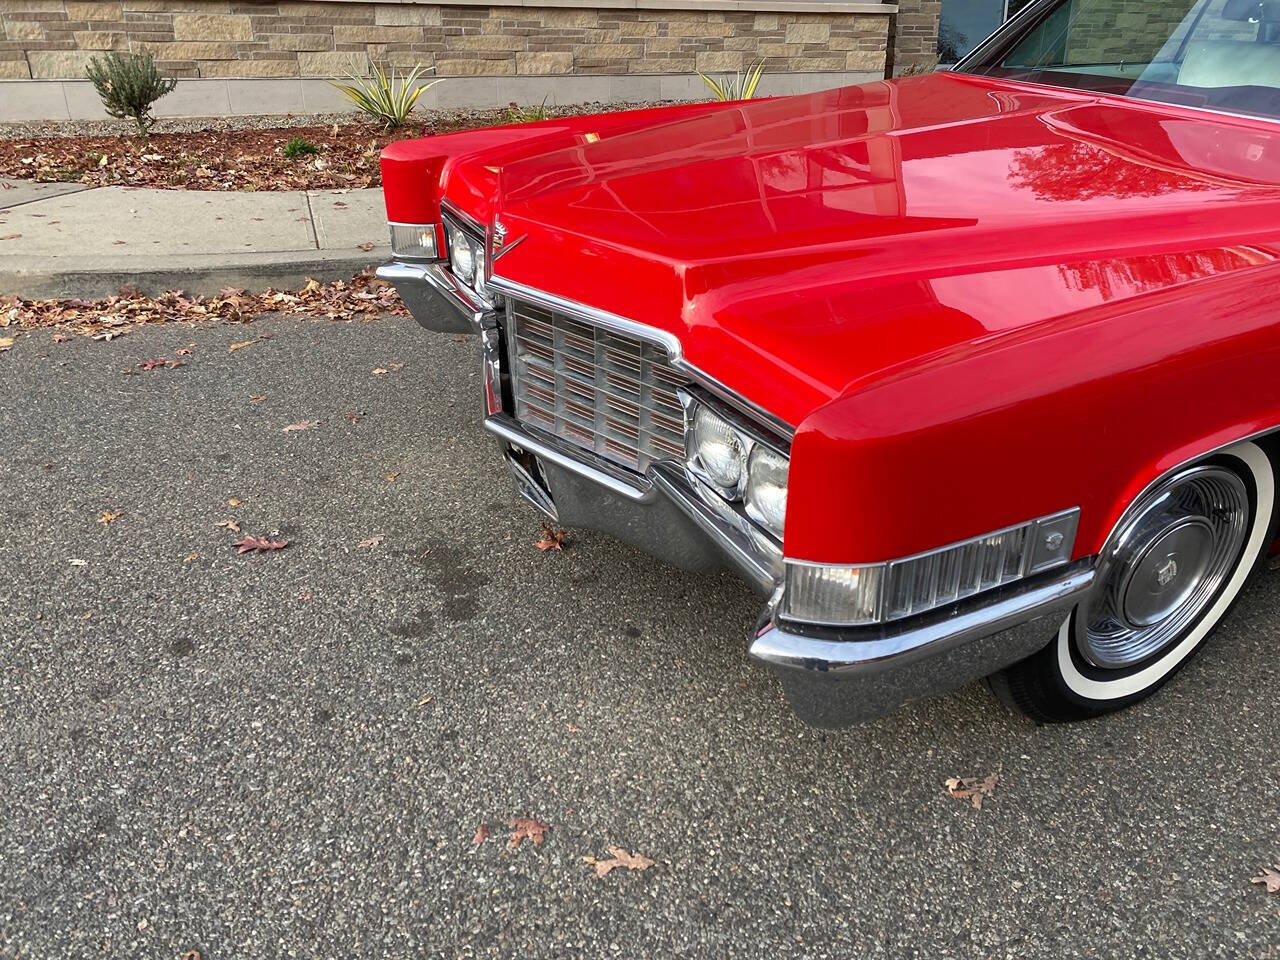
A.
pixel 915 35
pixel 54 39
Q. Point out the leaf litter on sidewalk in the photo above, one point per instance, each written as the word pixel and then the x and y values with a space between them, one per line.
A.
pixel 364 295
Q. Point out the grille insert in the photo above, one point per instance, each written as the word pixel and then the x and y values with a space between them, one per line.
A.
pixel 606 392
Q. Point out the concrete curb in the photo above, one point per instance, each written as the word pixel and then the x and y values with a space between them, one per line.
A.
pixel 91 278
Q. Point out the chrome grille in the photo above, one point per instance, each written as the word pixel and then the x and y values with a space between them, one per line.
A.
pixel 606 392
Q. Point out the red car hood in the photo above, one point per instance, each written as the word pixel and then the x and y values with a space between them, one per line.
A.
pixel 802 245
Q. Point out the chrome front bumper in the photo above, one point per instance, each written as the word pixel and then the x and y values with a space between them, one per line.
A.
pixel 832 677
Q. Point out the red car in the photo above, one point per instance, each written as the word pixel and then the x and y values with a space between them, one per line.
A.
pixel 971 374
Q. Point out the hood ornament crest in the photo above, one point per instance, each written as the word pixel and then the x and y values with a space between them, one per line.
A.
pixel 500 244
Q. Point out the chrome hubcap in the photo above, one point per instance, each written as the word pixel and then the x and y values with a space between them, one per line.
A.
pixel 1165 566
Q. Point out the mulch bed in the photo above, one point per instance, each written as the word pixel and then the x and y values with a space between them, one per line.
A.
pixel 364 296
pixel 207 160
pixel 227 159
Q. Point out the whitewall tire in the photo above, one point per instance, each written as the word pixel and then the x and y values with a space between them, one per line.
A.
pixel 1167 575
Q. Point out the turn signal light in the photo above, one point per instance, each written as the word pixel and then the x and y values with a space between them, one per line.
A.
pixel 854 595
pixel 413 241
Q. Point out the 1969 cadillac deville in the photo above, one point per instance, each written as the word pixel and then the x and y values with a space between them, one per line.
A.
pixel 971 375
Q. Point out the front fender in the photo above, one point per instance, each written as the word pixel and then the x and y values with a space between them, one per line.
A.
pixel 1084 410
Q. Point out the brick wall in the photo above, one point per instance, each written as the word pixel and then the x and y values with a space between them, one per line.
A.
pixel 49 39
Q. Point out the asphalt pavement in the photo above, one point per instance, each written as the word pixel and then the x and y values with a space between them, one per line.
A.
pixel 290 754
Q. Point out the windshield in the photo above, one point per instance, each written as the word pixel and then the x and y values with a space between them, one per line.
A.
pixel 1219 54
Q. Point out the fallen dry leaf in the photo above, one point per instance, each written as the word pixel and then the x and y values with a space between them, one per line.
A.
pixel 482 834
pixel 240 345
pixel 252 544
pixel 395 366
pixel 191 955
pixel 974 789
pixel 228 525
pixel 620 858
pixel 379 371
pixel 258 399
pixel 5 343
pixel 1269 876
pixel 355 416
pixel 15 236
pixel 152 362
pixel 524 828
pixel 190 557
pixel 234 502
pixel 366 246
pixel 551 539
pixel 109 517
pixel 371 542
pixel 301 425
pixel 61 338
pixel 184 352
pixel 391 477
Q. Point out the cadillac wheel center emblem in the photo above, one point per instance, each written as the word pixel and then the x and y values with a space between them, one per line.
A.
pixel 1167 573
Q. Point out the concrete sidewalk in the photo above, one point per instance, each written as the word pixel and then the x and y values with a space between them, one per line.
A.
pixel 65 240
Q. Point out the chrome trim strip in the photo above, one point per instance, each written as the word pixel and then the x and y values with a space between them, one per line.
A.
pixel 751 550
pixel 668 341
pixel 465 219
pixel 502 425
pixel 846 652
pixel 1060 514
pixel 785 431
pixel 437 277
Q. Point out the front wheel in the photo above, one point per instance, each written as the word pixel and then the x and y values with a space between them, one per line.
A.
pixel 1165 578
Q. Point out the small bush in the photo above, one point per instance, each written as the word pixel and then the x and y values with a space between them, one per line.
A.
pixel 919 69
pixel 519 114
pixel 129 86
pixel 299 147
pixel 741 86
pixel 385 98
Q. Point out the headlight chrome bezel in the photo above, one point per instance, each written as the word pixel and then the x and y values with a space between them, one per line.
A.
pixel 753 441
pixel 457 233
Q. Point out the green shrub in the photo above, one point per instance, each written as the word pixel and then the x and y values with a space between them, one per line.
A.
pixel 299 147
pixel 129 86
pixel 386 99
pixel 741 86
pixel 519 114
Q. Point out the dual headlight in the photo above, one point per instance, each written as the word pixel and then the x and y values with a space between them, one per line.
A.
pixel 740 467
pixel 466 257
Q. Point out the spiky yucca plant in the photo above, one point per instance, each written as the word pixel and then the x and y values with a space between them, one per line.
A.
pixel 129 86
pixel 741 86
pixel 385 97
